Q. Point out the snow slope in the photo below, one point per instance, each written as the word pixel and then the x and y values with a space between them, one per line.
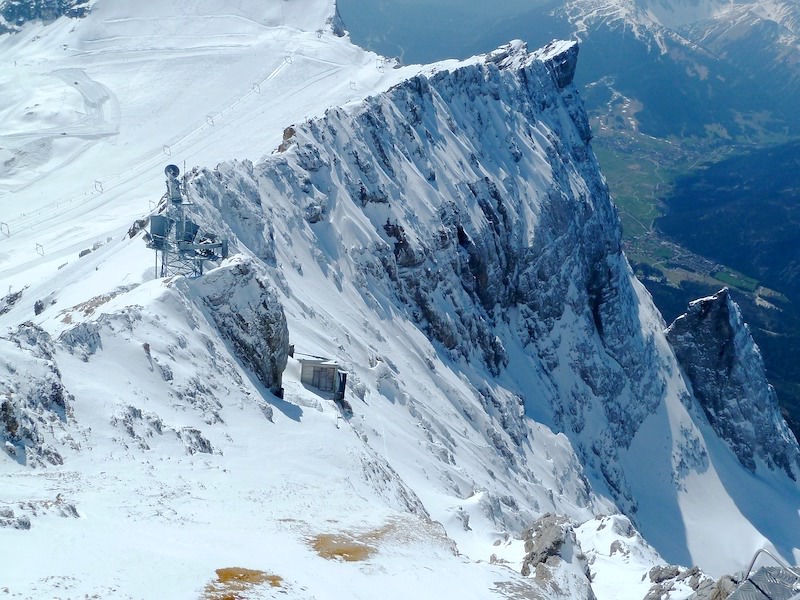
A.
pixel 97 105
pixel 502 362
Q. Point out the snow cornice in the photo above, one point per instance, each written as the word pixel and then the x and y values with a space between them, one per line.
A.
pixel 559 56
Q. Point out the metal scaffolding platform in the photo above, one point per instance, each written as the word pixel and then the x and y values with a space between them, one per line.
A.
pixel 769 583
pixel 181 247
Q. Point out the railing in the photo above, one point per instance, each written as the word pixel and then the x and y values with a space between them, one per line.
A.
pixel 782 563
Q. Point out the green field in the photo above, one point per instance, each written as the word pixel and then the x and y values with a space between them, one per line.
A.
pixel 737 280
pixel 640 171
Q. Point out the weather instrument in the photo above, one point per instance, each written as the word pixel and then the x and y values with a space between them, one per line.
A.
pixel 180 245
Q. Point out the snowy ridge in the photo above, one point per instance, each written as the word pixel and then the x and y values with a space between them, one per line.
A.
pixel 450 242
pixel 515 265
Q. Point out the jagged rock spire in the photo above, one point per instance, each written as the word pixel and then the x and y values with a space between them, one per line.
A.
pixel 716 351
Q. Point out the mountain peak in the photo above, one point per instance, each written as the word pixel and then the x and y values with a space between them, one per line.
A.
pixel 559 56
pixel 715 349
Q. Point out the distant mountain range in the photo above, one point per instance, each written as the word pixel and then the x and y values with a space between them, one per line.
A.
pixel 693 65
pixel 516 420
pixel 719 69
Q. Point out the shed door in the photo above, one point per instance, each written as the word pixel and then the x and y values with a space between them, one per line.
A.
pixel 323 378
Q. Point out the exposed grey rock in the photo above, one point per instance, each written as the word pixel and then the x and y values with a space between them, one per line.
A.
pixel 138 425
pixel 666 577
pixel 724 365
pixel 9 300
pixel 15 13
pixel 195 441
pixel 550 546
pixel 10 521
pixel 34 404
pixel 715 590
pixel 83 339
pixel 245 309
pixel 544 540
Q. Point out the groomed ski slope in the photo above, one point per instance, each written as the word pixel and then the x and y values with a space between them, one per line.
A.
pixel 93 109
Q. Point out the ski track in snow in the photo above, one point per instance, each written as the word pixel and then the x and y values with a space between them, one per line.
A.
pixel 200 139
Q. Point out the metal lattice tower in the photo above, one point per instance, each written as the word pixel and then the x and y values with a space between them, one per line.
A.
pixel 182 246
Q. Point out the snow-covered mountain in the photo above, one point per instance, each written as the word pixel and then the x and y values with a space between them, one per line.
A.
pixel 714 347
pixel 517 423
pixel 697 64
pixel 678 13
pixel 702 22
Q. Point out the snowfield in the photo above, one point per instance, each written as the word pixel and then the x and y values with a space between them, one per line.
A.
pixel 519 426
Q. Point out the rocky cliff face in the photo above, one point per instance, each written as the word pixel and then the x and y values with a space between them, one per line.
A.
pixel 15 13
pixel 245 308
pixel 717 353
pixel 35 407
pixel 468 201
pixel 481 216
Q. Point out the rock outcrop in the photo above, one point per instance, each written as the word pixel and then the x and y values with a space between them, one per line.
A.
pixel 554 559
pixel 246 310
pixel 724 365
pixel 35 407
pixel 15 13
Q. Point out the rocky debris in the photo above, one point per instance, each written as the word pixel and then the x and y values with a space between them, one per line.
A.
pixel 716 351
pixel 8 301
pixel 83 339
pixel 715 590
pixel 138 425
pixel 10 521
pixel 247 312
pixel 665 579
pixel 195 441
pixel 141 428
pixel 21 516
pixel 35 407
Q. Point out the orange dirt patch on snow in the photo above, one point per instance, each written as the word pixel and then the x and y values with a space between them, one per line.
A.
pixel 342 546
pixel 232 582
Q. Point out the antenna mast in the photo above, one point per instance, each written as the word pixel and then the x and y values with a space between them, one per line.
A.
pixel 183 246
